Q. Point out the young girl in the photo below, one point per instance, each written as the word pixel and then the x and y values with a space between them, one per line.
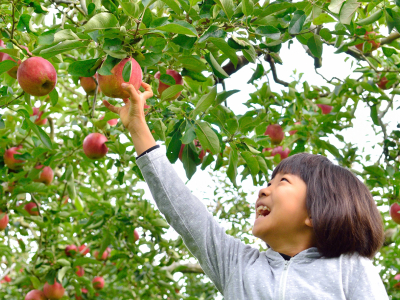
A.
pixel 320 222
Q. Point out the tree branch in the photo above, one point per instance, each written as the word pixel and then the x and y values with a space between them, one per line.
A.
pixel 184 268
pixel 7 271
pixel 271 62
pixel 390 38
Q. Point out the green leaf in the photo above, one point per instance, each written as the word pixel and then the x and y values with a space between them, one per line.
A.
pixel 108 65
pixel 297 22
pixel 217 69
pixel 251 161
pixel 347 11
pixel 174 145
pixel 225 48
pixel 247 7
pixel 11 52
pixel 155 44
pixel 6 65
pixel 189 160
pixel 192 63
pixel 388 51
pixel 189 134
pixel 331 148
pixel 325 34
pixel 371 19
pixel 127 71
pixel 194 75
pixel 207 137
pixel 227 6
pixel 63 47
pixel 322 19
pixel 258 73
pixel 374 115
pixel 212 31
pixel 205 102
pixel 159 223
pixel 167 79
pixel 160 128
pixel 184 41
pixel 62 272
pixel 79 204
pixel 335 6
pixel 315 45
pixel 63 35
pixel 173 5
pixel 25 22
pixel 53 97
pixel 237 44
pixel 224 95
pixel 232 167
pixel 392 19
pixel 131 9
pixel 80 261
pixel 179 27
pixel 101 21
pixel 171 92
pixel 35 281
pixel 269 32
pixel 41 134
pixel 84 68
pixel 2 124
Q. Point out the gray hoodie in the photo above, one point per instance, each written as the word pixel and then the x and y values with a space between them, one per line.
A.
pixel 242 272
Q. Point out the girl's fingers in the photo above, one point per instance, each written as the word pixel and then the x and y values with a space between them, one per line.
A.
pixel 126 100
pixel 131 90
pixel 111 107
pixel 148 92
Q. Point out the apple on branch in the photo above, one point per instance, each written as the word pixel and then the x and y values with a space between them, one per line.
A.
pixel 53 291
pixel 32 209
pixel 163 86
pixel 71 250
pixel 277 150
pixel 39 121
pixel 46 175
pixel 326 109
pixel 292 132
pixel 383 83
pixel 98 283
pixel 37 76
pixel 103 256
pixel 3 220
pixel 10 161
pixel 83 250
pixel 275 132
pixel 80 271
pixel 89 85
pixel 110 85
pixel 94 146
pixel 35 295
pixel 369 37
pixel 83 291
pixel 395 212
pixel 112 122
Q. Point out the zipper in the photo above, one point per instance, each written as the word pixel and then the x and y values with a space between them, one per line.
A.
pixel 282 285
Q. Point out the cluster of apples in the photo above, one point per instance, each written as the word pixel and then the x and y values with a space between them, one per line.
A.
pixel 53 291
pixel 276 134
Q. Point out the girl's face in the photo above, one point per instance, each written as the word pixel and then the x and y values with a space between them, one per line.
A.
pixel 286 223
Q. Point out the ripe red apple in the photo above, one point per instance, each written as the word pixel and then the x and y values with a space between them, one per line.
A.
pixel 80 271
pixel 94 147
pixel 326 109
pixel 32 209
pixel 53 291
pixel 110 85
pixel 162 86
pixel 370 37
pixel 37 76
pixel 98 283
pixel 395 212
pixel 10 161
pixel 278 150
pixel 83 249
pixel 35 295
pixel 13 71
pixel 3 220
pixel 71 250
pixel 46 176
pixel 397 277
pixel 275 132
pixel 112 122
pixel 7 279
pixel 89 85
pixel 292 132
pixel 383 83
pixel 104 256
pixel 2 45
pixel 84 291
pixel 38 113
pixel 135 233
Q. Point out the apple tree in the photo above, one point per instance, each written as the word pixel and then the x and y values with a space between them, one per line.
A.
pixel 73 221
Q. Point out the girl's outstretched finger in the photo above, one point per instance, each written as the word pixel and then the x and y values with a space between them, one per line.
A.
pixel 148 92
pixel 111 107
pixel 133 93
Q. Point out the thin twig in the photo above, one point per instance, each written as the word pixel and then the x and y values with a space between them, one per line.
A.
pixel 328 81
pixel 37 204
pixel 271 62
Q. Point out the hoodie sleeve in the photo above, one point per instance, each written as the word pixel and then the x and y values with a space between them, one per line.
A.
pixel 217 252
pixel 365 282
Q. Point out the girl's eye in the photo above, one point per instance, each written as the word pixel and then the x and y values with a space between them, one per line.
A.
pixel 269 184
pixel 284 179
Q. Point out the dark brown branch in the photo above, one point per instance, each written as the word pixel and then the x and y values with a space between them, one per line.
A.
pixel 271 62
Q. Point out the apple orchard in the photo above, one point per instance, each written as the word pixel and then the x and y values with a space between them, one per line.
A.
pixel 74 224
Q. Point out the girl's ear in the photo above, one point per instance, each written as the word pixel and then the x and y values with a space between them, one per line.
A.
pixel 309 222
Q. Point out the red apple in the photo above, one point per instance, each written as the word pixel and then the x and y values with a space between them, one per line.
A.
pixel 71 250
pixel 7 279
pixel 46 176
pixel 292 132
pixel 10 161
pixel 395 212
pixel 83 249
pixel 112 122
pixel 84 291
pixel 37 76
pixel 104 256
pixel 80 271
pixel 38 113
pixel 3 220
pixel 383 81
pixel 326 109
pixel 397 277
pixel 98 283
pixel 369 37
pixel 13 71
pixel 32 209
pixel 2 45
pixel 396 285
pixel 35 295
pixel 162 86
pixel 53 291
pixel 278 150
pixel 135 234
pixel 110 85
pixel 89 85
pixel 201 154
pixel 275 132
pixel 94 147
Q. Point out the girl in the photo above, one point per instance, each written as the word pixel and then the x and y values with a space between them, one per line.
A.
pixel 320 222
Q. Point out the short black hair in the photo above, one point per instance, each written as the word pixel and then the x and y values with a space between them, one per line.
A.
pixel 344 215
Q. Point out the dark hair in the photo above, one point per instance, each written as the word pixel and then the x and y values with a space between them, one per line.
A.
pixel 344 215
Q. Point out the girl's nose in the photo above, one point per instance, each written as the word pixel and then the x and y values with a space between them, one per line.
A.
pixel 264 192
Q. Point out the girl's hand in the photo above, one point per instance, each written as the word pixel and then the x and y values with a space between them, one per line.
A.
pixel 132 113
